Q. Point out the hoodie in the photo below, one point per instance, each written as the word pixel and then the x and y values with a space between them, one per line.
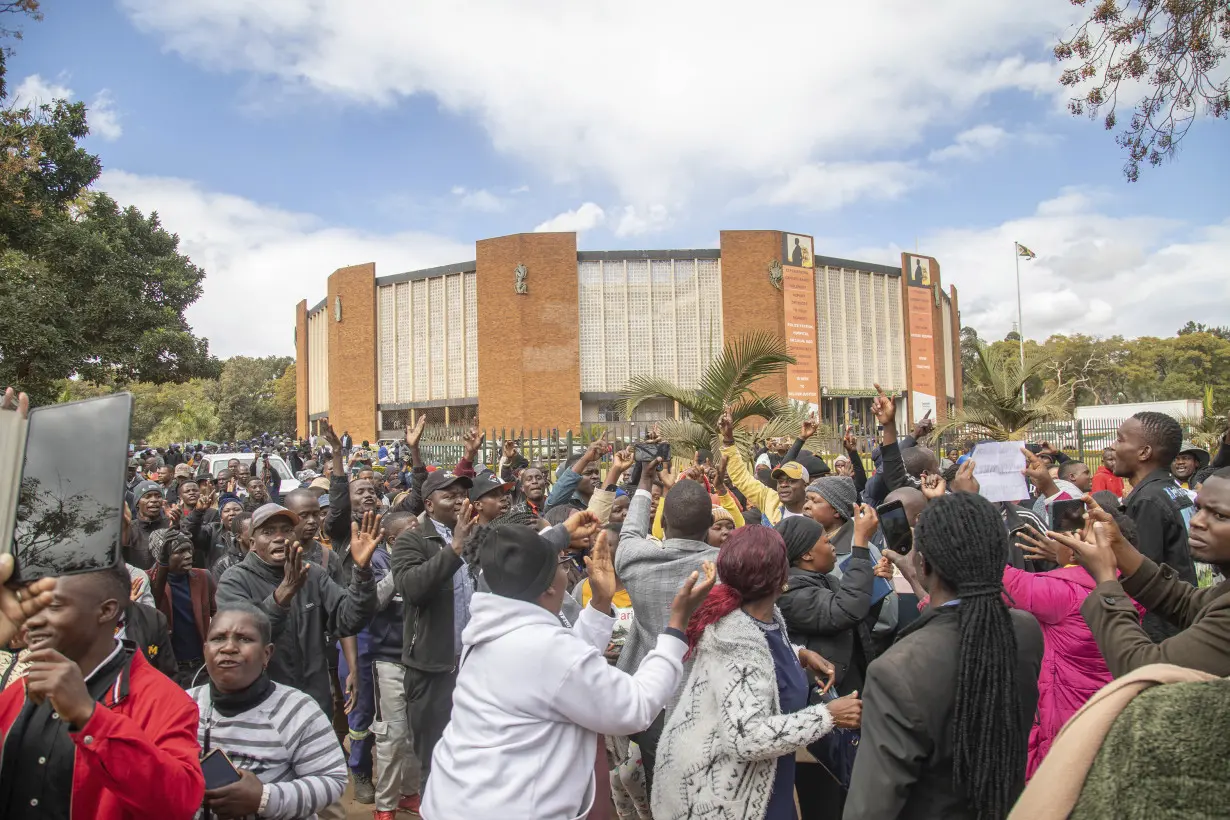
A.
pixel 531 699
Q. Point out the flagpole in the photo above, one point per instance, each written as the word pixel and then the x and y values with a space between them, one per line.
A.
pixel 1020 325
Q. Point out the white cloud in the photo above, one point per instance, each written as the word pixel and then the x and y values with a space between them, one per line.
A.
pixel 34 91
pixel 260 260
pixel 102 117
pixel 583 218
pixel 1095 273
pixel 826 186
pixel 971 144
pixel 713 95
pixel 637 221
pixel 480 200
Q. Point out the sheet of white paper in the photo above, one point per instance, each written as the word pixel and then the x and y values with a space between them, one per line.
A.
pixel 998 466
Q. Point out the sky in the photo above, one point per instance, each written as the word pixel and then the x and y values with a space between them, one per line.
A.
pixel 284 139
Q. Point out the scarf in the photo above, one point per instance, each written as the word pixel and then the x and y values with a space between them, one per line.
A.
pixel 229 704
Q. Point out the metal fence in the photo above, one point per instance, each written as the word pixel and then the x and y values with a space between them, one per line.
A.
pixel 441 444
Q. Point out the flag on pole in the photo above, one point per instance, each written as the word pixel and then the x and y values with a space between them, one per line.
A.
pixel 1021 250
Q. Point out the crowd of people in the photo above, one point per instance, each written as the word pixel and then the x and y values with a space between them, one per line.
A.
pixel 738 636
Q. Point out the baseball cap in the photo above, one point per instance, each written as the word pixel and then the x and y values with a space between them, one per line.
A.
pixel 792 469
pixel 441 480
pixel 487 484
pixel 518 562
pixel 183 471
pixel 267 512
pixel 320 483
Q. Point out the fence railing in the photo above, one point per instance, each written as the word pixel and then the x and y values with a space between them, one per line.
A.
pixel 1082 439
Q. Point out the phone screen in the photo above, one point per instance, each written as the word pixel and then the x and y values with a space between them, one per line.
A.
pixel 69 505
pixel 896 527
pixel 1067 515
pixel 218 769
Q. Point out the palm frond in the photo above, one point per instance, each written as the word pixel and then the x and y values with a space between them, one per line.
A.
pixel 648 388
pixel 992 397
pixel 743 362
pixel 766 407
pixel 686 436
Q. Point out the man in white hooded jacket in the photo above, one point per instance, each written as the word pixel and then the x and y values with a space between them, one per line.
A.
pixel 532 695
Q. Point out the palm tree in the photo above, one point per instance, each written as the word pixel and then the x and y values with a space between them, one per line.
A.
pixel 728 380
pixel 992 396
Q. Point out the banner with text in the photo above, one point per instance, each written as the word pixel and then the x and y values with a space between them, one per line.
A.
pixel 799 292
pixel 922 336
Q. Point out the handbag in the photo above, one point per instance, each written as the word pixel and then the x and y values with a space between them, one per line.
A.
pixel 836 750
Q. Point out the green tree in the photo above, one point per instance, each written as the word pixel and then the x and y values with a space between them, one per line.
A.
pixel 86 288
pixel 728 380
pixel 992 403
pixel 248 399
pixel 1220 331
pixel 1172 48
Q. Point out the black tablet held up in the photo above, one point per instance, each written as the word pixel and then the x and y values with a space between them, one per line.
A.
pixel 69 505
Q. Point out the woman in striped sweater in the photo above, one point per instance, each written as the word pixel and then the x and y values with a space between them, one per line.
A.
pixel 290 764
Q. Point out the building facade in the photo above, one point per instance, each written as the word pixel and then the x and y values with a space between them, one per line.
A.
pixel 534 334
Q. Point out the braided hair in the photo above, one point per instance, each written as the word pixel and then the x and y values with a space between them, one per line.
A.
pixel 962 539
pixel 482 534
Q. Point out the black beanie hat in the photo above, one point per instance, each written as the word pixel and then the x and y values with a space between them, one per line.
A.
pixel 518 562
pixel 800 532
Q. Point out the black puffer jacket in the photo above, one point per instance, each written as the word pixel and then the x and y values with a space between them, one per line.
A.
pixel 826 615
pixel 321 607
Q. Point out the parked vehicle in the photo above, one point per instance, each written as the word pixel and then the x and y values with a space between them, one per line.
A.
pixel 218 461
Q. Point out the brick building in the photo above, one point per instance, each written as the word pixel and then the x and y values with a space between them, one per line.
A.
pixel 455 340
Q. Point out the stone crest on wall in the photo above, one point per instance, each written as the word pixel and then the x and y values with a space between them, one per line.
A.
pixel 775 274
pixel 520 274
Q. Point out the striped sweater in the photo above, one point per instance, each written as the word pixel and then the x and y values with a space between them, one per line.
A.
pixel 287 742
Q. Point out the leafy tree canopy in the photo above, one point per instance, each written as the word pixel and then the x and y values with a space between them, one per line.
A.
pixel 86 288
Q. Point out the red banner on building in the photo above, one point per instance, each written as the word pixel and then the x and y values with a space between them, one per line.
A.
pixel 799 292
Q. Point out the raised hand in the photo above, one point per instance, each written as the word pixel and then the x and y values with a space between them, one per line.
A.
pixel 294 575
pixel 849 442
pixel 600 567
pixel 331 436
pixel 466 519
pixel 598 447
pixel 1041 547
pixel 365 538
pixel 415 434
pixel 964 481
pixel 472 441
pixel 1037 471
pixel 581 527
pixel 508 451
pixel 934 486
pixel 809 427
pixel 16 605
pixel 16 401
pixel 719 475
pixel 884 408
pixel 1097 558
pixel 621 462
pixel 691 595
pixel 726 426
pixel 866 522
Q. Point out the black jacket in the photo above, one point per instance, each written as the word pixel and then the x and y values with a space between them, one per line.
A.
pixel 904 763
pixel 136 548
pixel 209 539
pixel 423 569
pixel 321 607
pixel 1160 508
pixel 147 628
pixel 826 615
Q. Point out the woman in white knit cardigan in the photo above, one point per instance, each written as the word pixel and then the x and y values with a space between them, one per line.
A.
pixel 727 751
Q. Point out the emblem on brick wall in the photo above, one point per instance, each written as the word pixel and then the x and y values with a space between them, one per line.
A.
pixel 775 274
pixel 521 273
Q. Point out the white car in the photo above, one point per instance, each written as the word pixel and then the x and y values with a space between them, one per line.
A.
pixel 216 462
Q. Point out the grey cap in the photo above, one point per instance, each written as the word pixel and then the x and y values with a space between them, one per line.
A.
pixel 839 491
pixel 146 487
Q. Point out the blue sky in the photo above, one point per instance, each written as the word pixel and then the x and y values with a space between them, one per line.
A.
pixel 284 139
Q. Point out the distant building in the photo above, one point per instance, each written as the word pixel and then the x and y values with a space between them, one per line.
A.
pixel 534 333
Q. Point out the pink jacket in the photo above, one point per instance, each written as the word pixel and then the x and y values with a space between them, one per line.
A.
pixel 1072 667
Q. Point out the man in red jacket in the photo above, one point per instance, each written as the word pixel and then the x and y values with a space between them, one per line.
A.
pixel 94 731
